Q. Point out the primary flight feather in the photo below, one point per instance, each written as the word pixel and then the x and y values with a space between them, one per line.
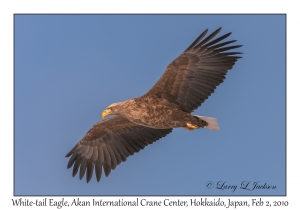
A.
pixel 186 83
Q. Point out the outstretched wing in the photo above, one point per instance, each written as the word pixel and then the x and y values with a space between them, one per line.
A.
pixel 108 143
pixel 192 77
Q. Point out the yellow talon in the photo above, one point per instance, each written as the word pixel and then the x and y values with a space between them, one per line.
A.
pixel 189 129
pixel 189 125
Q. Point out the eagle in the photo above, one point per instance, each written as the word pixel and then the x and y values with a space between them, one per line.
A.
pixel 186 83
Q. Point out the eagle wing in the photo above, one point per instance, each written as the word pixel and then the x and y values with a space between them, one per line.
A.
pixel 108 143
pixel 193 76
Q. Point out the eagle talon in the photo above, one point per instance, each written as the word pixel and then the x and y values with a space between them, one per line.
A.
pixel 190 126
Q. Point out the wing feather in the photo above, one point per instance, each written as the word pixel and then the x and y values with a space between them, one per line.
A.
pixel 76 165
pixel 107 160
pixel 82 167
pixel 212 35
pixel 95 153
pixel 98 169
pixel 107 144
pixel 89 172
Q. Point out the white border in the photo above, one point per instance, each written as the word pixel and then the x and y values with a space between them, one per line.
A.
pixel 9 8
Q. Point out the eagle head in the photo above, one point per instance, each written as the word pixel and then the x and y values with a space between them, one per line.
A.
pixel 111 109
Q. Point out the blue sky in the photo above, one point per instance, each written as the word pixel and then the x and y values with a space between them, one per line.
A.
pixel 69 68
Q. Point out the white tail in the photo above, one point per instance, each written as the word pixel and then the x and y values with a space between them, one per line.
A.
pixel 212 122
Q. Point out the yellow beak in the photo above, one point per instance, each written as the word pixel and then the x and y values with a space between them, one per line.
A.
pixel 105 113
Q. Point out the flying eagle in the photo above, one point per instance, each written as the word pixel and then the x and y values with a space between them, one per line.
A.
pixel 186 83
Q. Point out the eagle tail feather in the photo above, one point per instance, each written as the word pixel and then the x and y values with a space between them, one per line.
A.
pixel 212 122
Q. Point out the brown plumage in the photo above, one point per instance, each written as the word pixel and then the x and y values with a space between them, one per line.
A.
pixel 186 83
